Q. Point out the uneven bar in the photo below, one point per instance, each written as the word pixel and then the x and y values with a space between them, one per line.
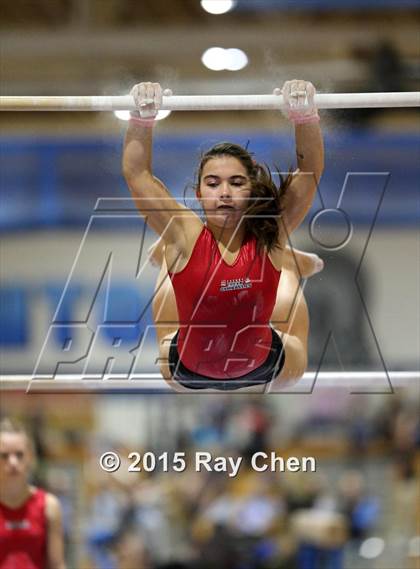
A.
pixel 356 382
pixel 209 102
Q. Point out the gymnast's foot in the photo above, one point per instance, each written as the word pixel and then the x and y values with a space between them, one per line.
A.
pixel 306 264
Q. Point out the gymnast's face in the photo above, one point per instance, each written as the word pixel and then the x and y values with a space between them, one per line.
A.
pixel 224 190
pixel 16 457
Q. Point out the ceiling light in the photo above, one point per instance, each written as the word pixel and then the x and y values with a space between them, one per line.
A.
pixel 218 6
pixel 219 59
pixel 162 115
pixel 214 58
pixel 235 59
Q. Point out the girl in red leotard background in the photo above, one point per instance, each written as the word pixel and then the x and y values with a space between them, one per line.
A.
pixel 31 534
pixel 228 308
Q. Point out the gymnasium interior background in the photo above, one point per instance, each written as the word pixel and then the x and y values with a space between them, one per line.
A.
pixel 61 184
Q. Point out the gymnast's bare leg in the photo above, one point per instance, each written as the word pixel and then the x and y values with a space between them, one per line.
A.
pixel 290 319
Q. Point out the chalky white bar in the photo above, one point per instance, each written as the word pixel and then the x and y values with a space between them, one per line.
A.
pixel 209 102
pixel 354 381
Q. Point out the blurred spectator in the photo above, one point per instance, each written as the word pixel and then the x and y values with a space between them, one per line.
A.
pixel 190 520
pixel 386 72
pixel 360 508
pixel 387 69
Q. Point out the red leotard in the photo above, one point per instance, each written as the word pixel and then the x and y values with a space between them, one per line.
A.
pixel 224 310
pixel 23 534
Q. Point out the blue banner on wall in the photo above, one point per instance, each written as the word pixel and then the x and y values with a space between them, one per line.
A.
pixel 57 182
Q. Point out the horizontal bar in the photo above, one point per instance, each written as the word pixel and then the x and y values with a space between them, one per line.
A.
pixel 356 381
pixel 209 102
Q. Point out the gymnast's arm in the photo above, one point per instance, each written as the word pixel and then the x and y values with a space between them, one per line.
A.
pixel 310 160
pixel 55 540
pixel 162 212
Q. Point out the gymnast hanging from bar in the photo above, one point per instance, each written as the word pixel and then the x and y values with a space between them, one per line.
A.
pixel 228 308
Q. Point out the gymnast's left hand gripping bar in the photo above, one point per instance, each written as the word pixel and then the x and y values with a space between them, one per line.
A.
pixel 208 102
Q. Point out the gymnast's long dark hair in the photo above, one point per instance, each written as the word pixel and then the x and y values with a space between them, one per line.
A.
pixel 266 201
